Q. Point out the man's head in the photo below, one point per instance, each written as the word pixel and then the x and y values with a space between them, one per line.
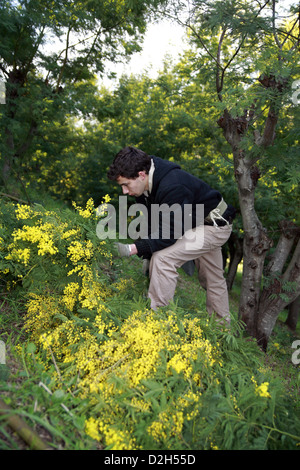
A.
pixel 130 169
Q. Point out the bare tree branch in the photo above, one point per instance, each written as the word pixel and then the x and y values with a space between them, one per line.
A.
pixel 65 59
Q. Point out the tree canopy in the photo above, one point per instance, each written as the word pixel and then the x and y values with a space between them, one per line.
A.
pixel 227 111
pixel 49 49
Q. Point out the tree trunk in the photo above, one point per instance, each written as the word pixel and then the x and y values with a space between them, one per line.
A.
pixel 235 244
pixel 256 245
pixel 276 295
pixel 256 242
pixel 258 310
pixel 289 232
pixel 293 315
pixel 15 81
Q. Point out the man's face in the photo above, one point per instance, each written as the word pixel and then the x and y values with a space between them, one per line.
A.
pixel 134 186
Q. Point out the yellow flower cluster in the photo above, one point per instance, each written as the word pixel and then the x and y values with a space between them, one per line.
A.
pixel 168 424
pixel 70 336
pixel 70 233
pixel 41 235
pixel 18 254
pixel 23 212
pixel 116 439
pixel 262 389
pixel 123 285
pixel 102 209
pixel 71 294
pixel 80 251
pixel 90 293
pixel 145 344
pixel 45 234
pixel 188 401
pixel 140 405
pixel 92 429
pixel 41 310
pixel 48 234
pixel 89 210
pixel 106 198
pixel 183 360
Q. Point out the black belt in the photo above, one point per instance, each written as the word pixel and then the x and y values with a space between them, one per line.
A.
pixel 220 222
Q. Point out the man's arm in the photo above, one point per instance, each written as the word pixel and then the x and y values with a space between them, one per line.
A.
pixel 133 249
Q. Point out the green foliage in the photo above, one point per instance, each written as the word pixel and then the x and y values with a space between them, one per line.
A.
pixel 67 133
pixel 46 412
pixel 50 57
pixel 93 367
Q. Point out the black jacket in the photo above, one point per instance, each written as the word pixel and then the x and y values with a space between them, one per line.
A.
pixel 172 185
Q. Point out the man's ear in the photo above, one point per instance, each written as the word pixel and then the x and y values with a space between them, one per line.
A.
pixel 142 174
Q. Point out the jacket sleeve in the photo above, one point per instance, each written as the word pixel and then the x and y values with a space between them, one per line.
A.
pixel 166 220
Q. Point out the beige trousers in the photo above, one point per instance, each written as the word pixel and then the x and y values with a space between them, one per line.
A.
pixel 204 246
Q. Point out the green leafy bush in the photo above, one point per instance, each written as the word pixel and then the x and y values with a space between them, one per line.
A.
pixel 101 363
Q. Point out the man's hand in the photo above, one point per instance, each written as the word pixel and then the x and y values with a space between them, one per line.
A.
pixel 125 249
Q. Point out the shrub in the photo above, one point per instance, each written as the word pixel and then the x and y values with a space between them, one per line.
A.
pixel 133 378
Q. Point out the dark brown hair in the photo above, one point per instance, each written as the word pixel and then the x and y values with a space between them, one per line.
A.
pixel 128 162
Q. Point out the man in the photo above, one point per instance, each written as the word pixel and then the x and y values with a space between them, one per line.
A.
pixel 153 181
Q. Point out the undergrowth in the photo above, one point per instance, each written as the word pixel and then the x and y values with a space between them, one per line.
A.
pixel 90 366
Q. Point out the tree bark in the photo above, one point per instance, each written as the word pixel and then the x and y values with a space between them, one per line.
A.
pixel 22 428
pixel 235 244
pixel 289 232
pixel 256 242
pixel 293 314
pixel 280 292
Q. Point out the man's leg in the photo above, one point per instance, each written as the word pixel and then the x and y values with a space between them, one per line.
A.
pixel 211 278
pixel 164 263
